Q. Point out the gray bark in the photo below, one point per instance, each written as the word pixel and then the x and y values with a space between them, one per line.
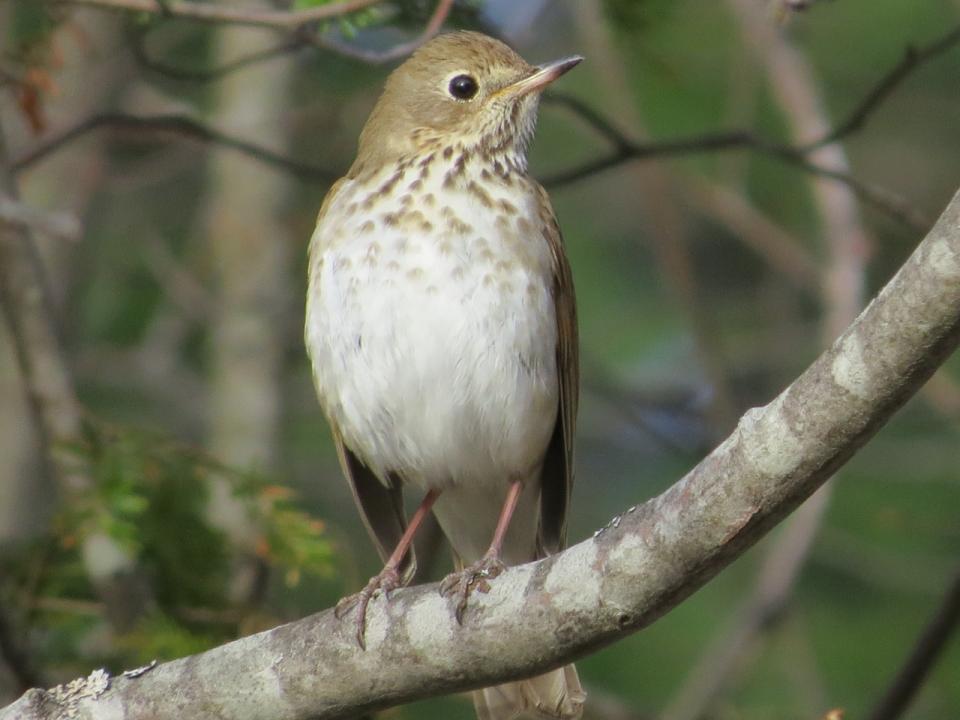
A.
pixel 544 614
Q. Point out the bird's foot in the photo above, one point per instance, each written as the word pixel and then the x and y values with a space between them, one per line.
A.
pixel 386 580
pixel 459 585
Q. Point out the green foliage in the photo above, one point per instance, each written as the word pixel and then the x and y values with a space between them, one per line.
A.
pixel 348 25
pixel 150 495
pixel 31 24
pixel 630 16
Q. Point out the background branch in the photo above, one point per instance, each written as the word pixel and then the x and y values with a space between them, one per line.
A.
pixel 230 14
pixel 177 125
pixel 928 649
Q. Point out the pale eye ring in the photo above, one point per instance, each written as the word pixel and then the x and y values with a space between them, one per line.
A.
pixel 463 87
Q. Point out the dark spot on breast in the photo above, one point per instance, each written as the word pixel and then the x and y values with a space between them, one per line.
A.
pixel 475 189
pixel 394 179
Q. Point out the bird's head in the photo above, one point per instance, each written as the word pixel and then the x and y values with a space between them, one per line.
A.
pixel 462 89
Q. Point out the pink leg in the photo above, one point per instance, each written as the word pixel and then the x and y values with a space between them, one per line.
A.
pixel 389 578
pixel 509 505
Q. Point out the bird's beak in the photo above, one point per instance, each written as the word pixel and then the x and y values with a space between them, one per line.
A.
pixel 544 75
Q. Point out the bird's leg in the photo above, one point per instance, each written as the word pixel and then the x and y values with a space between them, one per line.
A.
pixel 389 578
pixel 460 584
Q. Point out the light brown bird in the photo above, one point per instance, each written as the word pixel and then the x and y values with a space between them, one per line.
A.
pixel 441 326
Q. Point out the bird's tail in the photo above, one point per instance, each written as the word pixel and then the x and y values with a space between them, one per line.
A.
pixel 557 695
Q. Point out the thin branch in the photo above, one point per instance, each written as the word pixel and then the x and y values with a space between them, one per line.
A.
pixel 626 150
pixel 138 42
pixel 212 13
pixel 397 51
pixel 918 665
pixel 60 225
pixel 544 614
pixel 912 59
pixel 178 125
pixel 299 41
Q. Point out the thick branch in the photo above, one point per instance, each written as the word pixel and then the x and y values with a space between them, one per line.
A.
pixel 544 614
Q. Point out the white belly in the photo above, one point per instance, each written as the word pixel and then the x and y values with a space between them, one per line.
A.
pixel 434 346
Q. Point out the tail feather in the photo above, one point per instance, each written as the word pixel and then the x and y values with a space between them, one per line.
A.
pixel 557 695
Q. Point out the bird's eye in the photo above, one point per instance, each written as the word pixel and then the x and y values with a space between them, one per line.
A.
pixel 463 87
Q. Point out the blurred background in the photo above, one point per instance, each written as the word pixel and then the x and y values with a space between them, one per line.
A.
pixel 167 480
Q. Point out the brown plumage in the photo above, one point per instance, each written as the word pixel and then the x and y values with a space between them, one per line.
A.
pixel 441 325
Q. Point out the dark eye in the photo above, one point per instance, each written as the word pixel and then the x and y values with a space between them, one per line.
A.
pixel 463 87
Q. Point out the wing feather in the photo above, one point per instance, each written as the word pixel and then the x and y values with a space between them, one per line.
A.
pixel 557 475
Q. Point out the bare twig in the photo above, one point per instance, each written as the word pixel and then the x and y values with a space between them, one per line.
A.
pixel 912 59
pixel 60 225
pixel 229 13
pixel 299 41
pixel 178 125
pixel 922 658
pixel 626 150
pixel 397 51
pixel 218 73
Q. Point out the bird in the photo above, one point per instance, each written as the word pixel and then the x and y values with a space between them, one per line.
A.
pixel 442 333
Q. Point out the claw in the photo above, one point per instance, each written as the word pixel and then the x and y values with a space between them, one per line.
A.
pixel 386 580
pixel 460 585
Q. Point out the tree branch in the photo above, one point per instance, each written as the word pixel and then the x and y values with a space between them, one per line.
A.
pixel 178 125
pixel 224 13
pixel 924 655
pixel 544 614
pixel 625 149
pixel 299 41
pixel 432 27
pixel 912 59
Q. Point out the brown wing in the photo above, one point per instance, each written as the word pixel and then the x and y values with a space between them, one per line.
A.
pixel 380 506
pixel 557 476
pixel 380 502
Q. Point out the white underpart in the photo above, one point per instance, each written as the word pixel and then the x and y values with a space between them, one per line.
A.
pixel 433 351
